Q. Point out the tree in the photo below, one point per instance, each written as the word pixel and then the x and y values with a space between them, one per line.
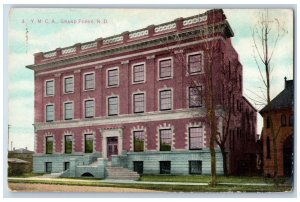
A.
pixel 265 35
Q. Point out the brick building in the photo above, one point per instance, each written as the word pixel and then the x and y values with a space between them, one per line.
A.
pixel 136 100
pixel 281 112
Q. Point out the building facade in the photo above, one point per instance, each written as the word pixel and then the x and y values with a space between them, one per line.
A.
pixel 280 112
pixel 137 101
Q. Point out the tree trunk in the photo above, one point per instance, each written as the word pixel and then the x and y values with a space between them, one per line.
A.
pixel 224 155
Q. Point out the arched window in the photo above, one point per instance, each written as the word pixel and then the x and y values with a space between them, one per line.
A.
pixel 283 120
pixel 268 148
pixel 268 122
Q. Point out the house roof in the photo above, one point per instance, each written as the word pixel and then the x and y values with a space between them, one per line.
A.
pixel 284 100
pixel 21 151
pixel 15 160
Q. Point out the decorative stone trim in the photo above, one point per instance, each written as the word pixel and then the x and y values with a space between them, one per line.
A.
pixel 138 34
pixel 125 62
pixel 77 71
pixel 98 66
pixel 50 54
pixel 138 128
pixel 150 57
pixel 194 20
pixel 111 132
pixel 186 138
pixel 165 126
pixel 165 27
pixel 57 75
pixel 68 50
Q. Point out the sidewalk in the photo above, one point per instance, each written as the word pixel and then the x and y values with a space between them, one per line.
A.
pixel 109 181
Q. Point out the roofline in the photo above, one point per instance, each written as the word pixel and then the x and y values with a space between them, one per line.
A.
pixel 249 103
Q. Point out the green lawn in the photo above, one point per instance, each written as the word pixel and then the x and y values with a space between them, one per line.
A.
pixel 167 188
pixel 205 178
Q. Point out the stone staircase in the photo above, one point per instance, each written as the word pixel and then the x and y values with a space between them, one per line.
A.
pixel 120 173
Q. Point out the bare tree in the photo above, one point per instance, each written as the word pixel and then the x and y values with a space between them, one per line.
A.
pixel 266 34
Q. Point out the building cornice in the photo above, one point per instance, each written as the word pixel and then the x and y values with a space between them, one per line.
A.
pixel 200 31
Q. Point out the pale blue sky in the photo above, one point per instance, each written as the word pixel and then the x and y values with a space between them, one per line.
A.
pixel 48 36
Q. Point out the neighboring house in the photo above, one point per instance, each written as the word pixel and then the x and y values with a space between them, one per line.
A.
pixel 18 167
pixel 23 154
pixel 281 112
pixel 127 101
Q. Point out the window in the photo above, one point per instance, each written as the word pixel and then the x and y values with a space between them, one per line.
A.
pixel 195 96
pixel 66 165
pixel 165 98
pixel 49 145
pixel 48 167
pixel 291 121
pixel 113 106
pixel 88 143
pixel 165 139
pixel 283 120
pixel 69 84
pixel 138 166
pixel 268 122
pixel 89 81
pixel 165 68
pixel 89 108
pixel 195 63
pixel 139 103
pixel 50 88
pixel 165 167
pixel 68 110
pixel 113 77
pixel 195 167
pixel 139 139
pixel 49 113
pixel 68 144
pixel 195 138
pixel 138 73
pixel 268 148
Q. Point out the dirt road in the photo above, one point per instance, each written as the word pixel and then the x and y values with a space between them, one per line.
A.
pixel 24 187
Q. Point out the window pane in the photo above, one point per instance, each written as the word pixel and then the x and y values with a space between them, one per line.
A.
pixel 89 108
pixel 139 103
pixel 50 113
pixel 113 77
pixel 195 96
pixel 165 68
pixel 113 106
pixel 68 111
pixel 165 139
pixel 49 145
pixel 139 139
pixel 49 88
pixel 68 144
pixel 165 100
pixel 195 167
pixel 138 72
pixel 195 63
pixel 195 138
pixel 89 143
pixel 89 81
pixel 165 167
pixel 69 84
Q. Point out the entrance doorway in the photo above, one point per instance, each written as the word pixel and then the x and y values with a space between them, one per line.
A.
pixel 288 156
pixel 112 146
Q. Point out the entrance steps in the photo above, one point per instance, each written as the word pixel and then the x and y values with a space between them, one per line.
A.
pixel 121 173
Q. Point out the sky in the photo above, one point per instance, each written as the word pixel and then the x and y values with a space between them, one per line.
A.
pixel 27 36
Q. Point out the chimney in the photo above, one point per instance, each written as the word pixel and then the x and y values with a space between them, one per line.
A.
pixel 26 148
pixel 285 82
pixel 14 148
